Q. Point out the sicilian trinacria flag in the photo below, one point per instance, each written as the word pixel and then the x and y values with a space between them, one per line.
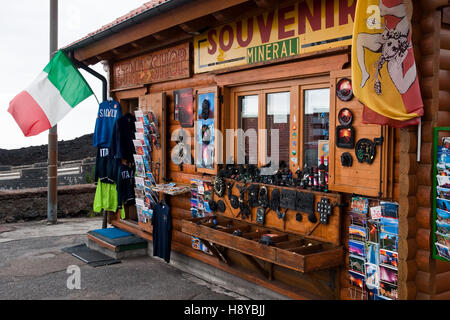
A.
pixel 384 72
pixel 52 95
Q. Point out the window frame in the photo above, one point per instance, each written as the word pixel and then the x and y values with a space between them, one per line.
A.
pixel 296 88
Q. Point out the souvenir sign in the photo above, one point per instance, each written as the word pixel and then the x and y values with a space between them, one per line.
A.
pixel 365 151
pixel 344 89
pixel 345 117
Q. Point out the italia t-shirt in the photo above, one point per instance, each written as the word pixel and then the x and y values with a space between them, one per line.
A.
pixel 108 112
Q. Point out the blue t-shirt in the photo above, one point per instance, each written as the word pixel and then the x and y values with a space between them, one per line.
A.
pixel 162 231
pixel 108 113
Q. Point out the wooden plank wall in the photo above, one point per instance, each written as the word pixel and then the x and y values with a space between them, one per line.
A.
pixel 297 285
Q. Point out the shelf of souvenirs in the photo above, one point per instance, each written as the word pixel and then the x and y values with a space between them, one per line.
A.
pixel 310 180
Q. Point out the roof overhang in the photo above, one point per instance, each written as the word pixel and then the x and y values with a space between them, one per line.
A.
pixel 169 21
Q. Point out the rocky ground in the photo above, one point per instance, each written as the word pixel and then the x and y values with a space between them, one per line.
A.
pixel 77 149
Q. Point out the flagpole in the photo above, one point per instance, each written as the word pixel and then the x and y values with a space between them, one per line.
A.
pixel 52 196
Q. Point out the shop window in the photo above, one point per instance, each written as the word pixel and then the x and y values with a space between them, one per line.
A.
pixel 278 118
pixel 248 122
pixel 316 125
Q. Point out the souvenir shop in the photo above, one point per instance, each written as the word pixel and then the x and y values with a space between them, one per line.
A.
pixel 200 95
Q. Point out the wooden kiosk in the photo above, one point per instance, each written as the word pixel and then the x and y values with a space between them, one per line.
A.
pixel 276 65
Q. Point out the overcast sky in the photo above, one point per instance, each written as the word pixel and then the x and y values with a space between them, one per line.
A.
pixel 24 52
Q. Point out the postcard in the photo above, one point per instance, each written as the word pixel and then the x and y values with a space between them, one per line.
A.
pixel 357 233
pixel 356 279
pixel 149 176
pixel 372 276
pixel 139 127
pixel 140 167
pixel 388 290
pixel 443 215
pixel 443 192
pixel 443 226
pixel 356 264
pixel 360 205
pixel 443 181
pixel 389 209
pixel 443 204
pixel 372 253
pixel 356 248
pixel 146 164
pixel 375 212
pixel 443 251
pixel 443 239
pixel 388 275
pixel 389 225
pixel 357 218
pixel 389 241
pixel 389 258
pixel 373 231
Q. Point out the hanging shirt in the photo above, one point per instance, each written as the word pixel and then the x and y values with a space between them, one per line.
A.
pixel 106 198
pixel 162 231
pixel 106 166
pixel 122 146
pixel 125 186
pixel 108 113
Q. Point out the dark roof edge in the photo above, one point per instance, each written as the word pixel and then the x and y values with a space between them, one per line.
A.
pixel 139 18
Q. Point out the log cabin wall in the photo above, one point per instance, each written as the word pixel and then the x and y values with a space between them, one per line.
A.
pixel 420 276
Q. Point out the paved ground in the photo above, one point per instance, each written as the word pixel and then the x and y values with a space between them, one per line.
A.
pixel 32 266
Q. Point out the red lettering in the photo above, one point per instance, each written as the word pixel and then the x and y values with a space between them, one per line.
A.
pixel 228 46
pixel 283 23
pixel 265 28
pixel 345 10
pixel 315 19
pixel 212 33
pixel 239 33
pixel 329 14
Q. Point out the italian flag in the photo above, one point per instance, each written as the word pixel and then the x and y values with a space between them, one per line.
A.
pixel 55 92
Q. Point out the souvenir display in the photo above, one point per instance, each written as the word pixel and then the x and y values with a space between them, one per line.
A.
pixel 203 205
pixel 441 203
pixel 373 248
pixel 184 107
pixel 205 151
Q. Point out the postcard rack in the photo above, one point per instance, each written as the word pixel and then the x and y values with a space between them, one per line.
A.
pixel 441 194
pixel 288 250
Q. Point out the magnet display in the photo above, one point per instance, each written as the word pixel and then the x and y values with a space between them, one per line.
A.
pixel 346 159
pixel 345 117
pixel 344 89
pixel 345 137
pixel 365 151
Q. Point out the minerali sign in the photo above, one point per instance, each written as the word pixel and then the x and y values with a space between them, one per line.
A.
pixel 304 27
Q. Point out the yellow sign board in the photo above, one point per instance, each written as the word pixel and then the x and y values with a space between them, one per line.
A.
pixel 307 26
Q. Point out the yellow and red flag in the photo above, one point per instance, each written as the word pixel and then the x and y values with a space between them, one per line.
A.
pixel 384 72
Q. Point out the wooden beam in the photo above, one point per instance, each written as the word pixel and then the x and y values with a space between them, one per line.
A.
pixel 182 14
